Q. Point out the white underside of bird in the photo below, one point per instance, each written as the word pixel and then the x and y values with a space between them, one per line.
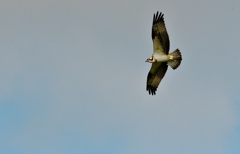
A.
pixel 173 59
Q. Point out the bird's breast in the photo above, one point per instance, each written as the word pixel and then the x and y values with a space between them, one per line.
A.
pixel 161 57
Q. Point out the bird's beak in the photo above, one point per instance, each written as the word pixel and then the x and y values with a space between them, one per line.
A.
pixel 146 61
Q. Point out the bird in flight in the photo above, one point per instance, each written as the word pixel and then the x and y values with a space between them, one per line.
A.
pixel 161 57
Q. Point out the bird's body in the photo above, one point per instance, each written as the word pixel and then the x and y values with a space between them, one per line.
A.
pixel 160 58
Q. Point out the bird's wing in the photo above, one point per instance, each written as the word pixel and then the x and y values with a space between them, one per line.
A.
pixel 159 34
pixel 155 76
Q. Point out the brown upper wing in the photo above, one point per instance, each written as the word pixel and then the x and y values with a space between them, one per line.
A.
pixel 155 76
pixel 159 34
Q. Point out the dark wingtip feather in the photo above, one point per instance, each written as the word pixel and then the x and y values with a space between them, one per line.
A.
pixel 158 17
pixel 151 90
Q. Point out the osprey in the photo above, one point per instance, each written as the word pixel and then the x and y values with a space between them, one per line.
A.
pixel 161 57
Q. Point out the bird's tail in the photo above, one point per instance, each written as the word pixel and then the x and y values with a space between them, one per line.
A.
pixel 176 59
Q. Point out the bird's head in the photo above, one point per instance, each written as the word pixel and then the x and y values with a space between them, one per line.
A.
pixel 151 59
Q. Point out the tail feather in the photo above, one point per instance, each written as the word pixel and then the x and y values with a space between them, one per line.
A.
pixel 177 58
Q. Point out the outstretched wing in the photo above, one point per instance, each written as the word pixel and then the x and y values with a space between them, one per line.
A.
pixel 159 34
pixel 155 76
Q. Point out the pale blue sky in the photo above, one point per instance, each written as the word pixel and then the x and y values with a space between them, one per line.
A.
pixel 73 78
